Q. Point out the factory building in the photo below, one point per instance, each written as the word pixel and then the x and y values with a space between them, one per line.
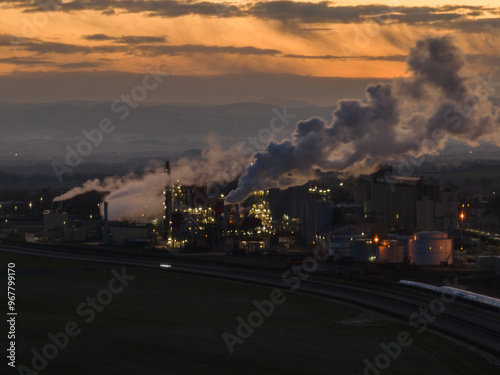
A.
pixel 488 263
pixel 130 235
pixel 289 202
pixel 192 217
pixel 189 214
pixel 54 224
pixel 347 212
pixel 248 227
pixel 397 202
pixel 75 235
pixel 261 211
pixel 317 214
pixel 353 243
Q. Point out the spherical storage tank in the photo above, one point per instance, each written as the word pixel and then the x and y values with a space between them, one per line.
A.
pixel 430 248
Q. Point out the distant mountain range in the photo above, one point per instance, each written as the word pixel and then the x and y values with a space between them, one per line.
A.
pixel 38 134
pixel 42 131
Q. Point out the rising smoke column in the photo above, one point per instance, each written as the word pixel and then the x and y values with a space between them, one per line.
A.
pixel 140 196
pixel 412 115
pixel 131 196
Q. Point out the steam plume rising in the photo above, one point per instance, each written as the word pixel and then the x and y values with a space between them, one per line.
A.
pixel 414 115
pixel 140 197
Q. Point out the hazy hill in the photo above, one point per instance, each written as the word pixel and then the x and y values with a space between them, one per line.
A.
pixel 42 131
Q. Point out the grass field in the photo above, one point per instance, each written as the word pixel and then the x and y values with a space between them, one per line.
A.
pixel 164 323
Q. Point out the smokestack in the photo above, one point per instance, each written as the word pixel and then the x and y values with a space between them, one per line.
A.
pixel 167 204
pixel 106 229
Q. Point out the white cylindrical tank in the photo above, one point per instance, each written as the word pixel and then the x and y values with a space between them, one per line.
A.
pixel 430 248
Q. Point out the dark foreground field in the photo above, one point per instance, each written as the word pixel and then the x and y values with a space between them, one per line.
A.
pixel 162 323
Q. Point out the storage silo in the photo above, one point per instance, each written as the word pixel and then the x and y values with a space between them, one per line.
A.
pixel 363 250
pixel 390 251
pixel 316 217
pixel 430 248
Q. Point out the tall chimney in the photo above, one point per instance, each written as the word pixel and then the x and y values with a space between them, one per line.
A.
pixel 106 229
pixel 167 204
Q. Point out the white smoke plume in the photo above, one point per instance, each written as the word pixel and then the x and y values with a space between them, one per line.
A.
pixel 412 115
pixel 130 197
pixel 140 197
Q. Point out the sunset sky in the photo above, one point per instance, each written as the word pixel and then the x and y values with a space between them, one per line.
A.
pixel 47 42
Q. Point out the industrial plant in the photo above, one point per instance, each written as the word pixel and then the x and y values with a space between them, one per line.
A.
pixel 380 218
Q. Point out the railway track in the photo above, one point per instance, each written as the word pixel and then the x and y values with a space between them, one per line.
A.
pixel 468 323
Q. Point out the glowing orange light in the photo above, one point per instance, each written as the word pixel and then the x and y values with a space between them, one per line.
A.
pixel 375 239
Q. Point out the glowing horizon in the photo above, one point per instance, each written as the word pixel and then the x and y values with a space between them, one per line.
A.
pixel 251 37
